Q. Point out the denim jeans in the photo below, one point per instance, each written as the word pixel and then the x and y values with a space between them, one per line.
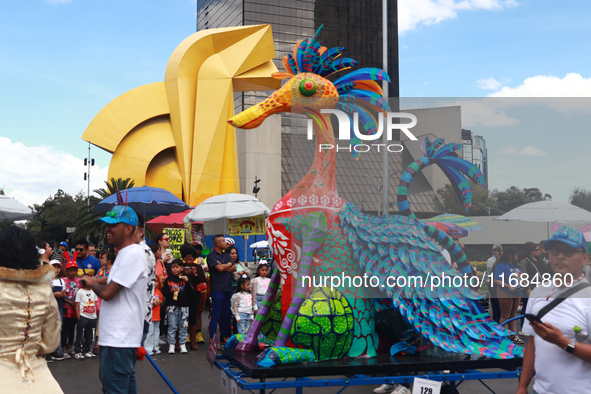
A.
pixel 244 324
pixel 220 313
pixel 151 342
pixel 178 319
pixel 116 370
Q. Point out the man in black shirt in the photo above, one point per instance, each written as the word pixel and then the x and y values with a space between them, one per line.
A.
pixel 220 268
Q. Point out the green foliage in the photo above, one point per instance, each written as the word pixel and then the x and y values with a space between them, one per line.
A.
pixel 492 203
pixel 480 200
pixel 54 215
pixel 514 197
pixel 87 219
pixel 581 198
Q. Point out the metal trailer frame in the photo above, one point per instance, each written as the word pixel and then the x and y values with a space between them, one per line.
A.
pixel 238 372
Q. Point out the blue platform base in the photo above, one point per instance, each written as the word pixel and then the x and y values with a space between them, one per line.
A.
pixel 456 371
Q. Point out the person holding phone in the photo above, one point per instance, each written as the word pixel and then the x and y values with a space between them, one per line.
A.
pixel 559 362
pixel 506 273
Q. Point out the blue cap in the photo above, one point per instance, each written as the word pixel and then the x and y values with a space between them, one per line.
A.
pixel 63 243
pixel 120 214
pixel 568 236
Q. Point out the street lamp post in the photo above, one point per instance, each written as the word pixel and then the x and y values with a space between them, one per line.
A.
pixel 378 183
pixel 489 207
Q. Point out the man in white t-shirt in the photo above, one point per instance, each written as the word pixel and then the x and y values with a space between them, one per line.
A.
pixel 121 320
pixel 561 363
pixel 150 267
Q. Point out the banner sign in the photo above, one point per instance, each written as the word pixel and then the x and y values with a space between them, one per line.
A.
pixel 177 238
pixel 254 225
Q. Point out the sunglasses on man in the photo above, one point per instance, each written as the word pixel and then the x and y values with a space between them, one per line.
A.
pixel 79 249
pixel 567 251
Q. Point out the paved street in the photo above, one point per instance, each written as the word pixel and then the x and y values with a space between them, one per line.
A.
pixel 191 373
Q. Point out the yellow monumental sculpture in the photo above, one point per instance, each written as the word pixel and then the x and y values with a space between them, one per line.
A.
pixel 174 134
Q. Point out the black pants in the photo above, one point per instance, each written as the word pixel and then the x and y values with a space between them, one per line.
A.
pixel 85 331
pixel 68 327
pixel 496 309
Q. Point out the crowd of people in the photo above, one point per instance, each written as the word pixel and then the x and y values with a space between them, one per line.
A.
pixel 110 303
pixel 509 268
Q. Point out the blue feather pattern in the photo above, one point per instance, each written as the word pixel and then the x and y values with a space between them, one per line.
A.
pixel 449 316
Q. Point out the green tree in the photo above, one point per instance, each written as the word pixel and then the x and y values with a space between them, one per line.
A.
pixel 581 198
pixel 514 197
pixel 53 217
pixel 87 220
pixel 480 200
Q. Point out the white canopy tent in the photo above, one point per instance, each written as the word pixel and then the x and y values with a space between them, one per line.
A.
pixel 548 211
pixel 12 210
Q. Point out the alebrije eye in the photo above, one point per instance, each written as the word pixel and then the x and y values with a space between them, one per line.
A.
pixel 308 87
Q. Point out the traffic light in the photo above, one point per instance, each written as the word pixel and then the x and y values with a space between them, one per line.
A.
pixel 85 162
pixel 256 187
pixel 91 162
pixel 85 176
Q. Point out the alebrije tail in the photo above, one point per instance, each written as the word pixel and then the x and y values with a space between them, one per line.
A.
pixel 456 169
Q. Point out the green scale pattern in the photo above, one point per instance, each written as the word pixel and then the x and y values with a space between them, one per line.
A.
pixel 324 324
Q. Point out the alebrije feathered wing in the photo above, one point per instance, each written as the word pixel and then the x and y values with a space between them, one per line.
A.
pixel 445 311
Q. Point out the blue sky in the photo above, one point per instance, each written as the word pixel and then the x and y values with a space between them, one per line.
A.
pixel 62 61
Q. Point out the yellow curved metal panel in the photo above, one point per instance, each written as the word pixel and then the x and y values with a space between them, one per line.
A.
pixel 196 96
pixel 121 115
pixel 139 147
pixel 164 172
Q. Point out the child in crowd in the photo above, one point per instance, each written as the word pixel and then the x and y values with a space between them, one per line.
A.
pixel 260 285
pixel 242 305
pixel 176 289
pixel 151 344
pixel 87 318
pixel 107 259
pixel 72 283
pixel 59 291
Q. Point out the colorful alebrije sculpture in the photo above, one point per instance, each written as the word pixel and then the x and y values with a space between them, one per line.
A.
pixel 315 233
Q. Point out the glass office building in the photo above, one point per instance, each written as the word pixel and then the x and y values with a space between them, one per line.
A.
pixel 355 25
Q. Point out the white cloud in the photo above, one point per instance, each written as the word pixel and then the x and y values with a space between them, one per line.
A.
pixel 489 84
pixel 412 13
pixel 572 85
pixel 527 151
pixel 31 174
pixel 481 112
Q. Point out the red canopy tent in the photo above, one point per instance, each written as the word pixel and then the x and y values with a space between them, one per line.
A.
pixel 174 220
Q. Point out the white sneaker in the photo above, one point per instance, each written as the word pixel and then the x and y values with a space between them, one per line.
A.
pixel 171 349
pixel 400 389
pixel 383 389
pixel 523 334
pixel 183 349
pixel 157 351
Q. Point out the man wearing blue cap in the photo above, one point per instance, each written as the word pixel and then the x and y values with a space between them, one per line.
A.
pixel 122 311
pixel 561 363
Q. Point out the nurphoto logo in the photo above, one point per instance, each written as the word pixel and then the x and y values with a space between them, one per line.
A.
pixel 345 130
